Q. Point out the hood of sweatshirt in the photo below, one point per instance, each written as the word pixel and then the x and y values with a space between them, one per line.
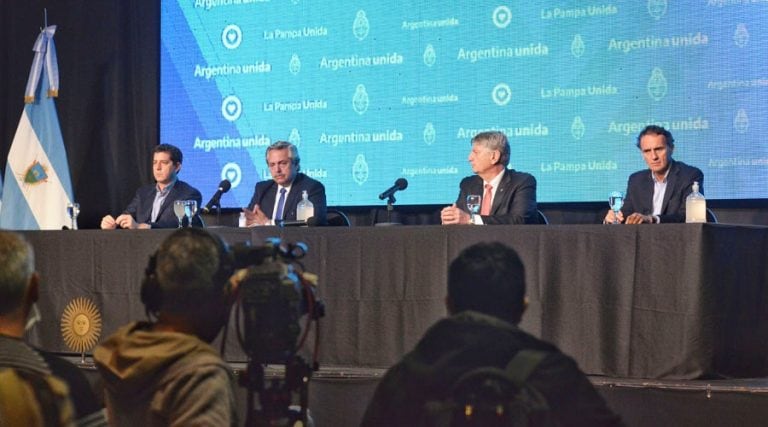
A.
pixel 136 359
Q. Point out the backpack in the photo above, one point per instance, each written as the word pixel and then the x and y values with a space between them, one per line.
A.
pixel 33 399
pixel 490 396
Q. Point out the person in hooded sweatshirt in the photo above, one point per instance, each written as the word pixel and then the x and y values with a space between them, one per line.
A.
pixel 166 372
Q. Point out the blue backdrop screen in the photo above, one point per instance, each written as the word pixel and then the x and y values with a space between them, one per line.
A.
pixel 371 91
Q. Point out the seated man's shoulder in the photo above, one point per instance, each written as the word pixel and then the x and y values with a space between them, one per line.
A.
pixel 468 179
pixel 688 169
pixel 309 181
pixel 520 176
pixel 186 187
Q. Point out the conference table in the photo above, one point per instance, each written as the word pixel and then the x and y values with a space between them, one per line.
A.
pixel 662 301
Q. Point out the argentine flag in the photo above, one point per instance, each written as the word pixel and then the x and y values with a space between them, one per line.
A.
pixel 37 185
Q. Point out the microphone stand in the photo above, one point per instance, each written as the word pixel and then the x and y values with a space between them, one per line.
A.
pixel 218 213
pixel 390 202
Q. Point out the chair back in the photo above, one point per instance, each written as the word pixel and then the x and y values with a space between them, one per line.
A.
pixel 337 218
pixel 711 217
pixel 542 218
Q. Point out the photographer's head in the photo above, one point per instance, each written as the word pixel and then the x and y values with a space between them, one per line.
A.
pixel 187 283
pixel 18 282
pixel 488 278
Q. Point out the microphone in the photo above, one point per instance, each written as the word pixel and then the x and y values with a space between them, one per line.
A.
pixel 400 184
pixel 224 186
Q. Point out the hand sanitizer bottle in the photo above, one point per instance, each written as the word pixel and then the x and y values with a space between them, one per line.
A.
pixel 695 206
pixel 305 209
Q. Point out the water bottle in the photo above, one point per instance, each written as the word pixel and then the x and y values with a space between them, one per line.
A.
pixel 241 220
pixel 305 209
pixel 695 206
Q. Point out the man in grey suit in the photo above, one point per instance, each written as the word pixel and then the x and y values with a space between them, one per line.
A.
pixel 509 197
pixel 657 195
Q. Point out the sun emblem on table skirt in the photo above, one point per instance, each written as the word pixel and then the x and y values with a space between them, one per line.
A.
pixel 81 325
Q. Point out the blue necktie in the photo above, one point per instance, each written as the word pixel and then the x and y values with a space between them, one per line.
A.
pixel 280 205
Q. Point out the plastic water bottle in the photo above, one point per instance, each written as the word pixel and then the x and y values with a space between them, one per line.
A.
pixel 241 220
pixel 305 209
pixel 695 206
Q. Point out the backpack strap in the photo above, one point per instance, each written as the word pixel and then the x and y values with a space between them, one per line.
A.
pixel 523 364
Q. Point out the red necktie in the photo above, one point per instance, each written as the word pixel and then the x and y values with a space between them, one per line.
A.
pixel 485 208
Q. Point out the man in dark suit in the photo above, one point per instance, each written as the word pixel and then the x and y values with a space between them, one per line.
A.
pixel 287 184
pixel 152 206
pixel 508 196
pixel 658 195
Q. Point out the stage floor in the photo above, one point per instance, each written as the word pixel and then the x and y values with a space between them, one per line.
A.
pixel 339 395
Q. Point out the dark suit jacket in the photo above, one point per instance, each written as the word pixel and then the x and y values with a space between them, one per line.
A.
pixel 265 194
pixel 514 202
pixel 140 207
pixel 680 179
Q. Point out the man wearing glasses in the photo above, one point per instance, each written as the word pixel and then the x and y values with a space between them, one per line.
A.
pixel 276 200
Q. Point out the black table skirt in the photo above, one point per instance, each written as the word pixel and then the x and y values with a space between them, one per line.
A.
pixel 661 301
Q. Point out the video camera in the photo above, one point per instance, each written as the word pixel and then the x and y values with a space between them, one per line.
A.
pixel 275 294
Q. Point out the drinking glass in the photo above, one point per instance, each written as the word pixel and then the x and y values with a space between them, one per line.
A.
pixel 178 210
pixel 190 210
pixel 616 201
pixel 473 204
pixel 73 210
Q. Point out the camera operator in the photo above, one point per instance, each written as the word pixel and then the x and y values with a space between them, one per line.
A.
pixel 166 372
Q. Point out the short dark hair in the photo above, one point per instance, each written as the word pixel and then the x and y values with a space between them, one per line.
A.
pixel 17 264
pixel 189 269
pixel 174 151
pixel 489 278
pixel 657 130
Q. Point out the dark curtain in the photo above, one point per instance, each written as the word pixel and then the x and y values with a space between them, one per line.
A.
pixel 108 53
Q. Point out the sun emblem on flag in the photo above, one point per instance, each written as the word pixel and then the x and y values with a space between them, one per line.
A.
pixel 81 325
pixel 35 174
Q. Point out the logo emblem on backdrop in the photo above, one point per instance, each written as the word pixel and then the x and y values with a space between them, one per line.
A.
pixel 577 46
pixel 577 128
pixel 35 174
pixel 429 133
pixel 294 66
pixel 657 85
pixel 232 36
pixel 741 35
pixel 501 94
pixel 657 8
pixel 502 16
pixel 231 108
pixel 295 138
pixel 429 55
pixel 360 170
pixel 361 26
pixel 741 121
pixel 232 173
pixel 360 100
